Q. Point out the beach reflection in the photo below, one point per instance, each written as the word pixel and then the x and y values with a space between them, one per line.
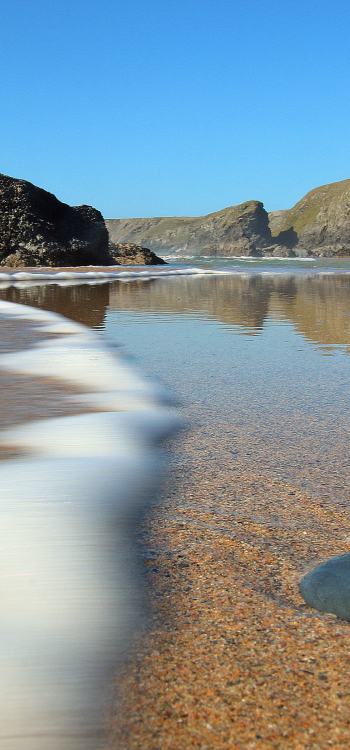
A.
pixel 316 305
pixel 83 303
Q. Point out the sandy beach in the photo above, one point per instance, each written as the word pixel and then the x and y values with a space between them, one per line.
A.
pixel 233 657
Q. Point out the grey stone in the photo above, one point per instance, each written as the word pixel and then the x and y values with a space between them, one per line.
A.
pixel 327 587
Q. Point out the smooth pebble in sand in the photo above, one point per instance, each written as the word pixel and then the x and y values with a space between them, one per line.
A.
pixel 327 587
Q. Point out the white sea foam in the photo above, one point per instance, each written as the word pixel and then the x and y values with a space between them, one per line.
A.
pixel 54 276
pixel 249 258
pixel 68 585
pixel 234 266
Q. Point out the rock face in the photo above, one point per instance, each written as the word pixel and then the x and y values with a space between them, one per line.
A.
pixel 238 230
pixel 125 253
pixel 327 587
pixel 37 229
pixel 319 224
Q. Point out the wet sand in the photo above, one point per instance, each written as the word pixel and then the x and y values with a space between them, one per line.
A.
pixel 233 657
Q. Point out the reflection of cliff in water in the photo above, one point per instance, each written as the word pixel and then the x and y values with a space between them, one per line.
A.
pixel 235 300
pixel 318 306
pixel 83 303
pixel 320 309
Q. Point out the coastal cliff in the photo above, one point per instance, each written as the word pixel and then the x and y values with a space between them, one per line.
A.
pixel 238 230
pixel 318 225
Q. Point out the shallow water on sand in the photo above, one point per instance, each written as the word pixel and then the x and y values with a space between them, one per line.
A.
pixel 260 355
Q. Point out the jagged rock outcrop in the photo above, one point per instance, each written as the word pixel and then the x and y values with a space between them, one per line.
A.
pixel 128 254
pixel 38 229
pixel 238 230
pixel 319 224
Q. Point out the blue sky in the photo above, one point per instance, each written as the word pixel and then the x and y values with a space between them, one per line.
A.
pixel 175 107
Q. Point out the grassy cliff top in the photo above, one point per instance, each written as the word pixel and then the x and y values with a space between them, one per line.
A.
pixel 306 211
pixel 235 211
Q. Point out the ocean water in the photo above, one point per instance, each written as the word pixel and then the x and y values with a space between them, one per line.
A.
pixel 258 348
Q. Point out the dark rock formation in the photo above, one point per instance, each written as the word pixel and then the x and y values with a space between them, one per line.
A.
pixel 37 229
pixel 319 224
pixel 125 253
pixel 238 230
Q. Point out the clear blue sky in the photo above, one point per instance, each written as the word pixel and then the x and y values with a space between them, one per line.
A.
pixel 152 107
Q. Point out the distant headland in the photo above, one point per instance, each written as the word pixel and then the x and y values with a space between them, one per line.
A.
pixel 318 225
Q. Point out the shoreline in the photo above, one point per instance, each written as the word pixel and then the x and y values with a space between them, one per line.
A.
pixel 95 274
pixel 234 266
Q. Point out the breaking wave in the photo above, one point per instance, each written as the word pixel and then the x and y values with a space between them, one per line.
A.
pixel 69 589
